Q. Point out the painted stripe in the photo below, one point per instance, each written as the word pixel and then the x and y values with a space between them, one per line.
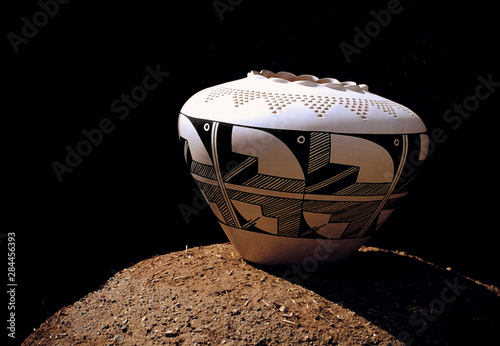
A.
pixel 365 189
pixel 391 188
pixel 291 195
pixel 331 180
pixel 246 163
pixel 262 181
pixel 319 153
pixel 218 174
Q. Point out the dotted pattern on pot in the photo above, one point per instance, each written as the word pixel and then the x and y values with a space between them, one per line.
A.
pixel 321 105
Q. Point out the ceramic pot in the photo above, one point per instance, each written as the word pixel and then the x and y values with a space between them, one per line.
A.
pixel 297 168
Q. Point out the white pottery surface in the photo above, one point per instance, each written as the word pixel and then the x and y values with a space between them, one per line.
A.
pixel 294 165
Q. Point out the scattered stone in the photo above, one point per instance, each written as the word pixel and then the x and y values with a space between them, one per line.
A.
pixel 170 333
pixel 58 336
pixel 359 302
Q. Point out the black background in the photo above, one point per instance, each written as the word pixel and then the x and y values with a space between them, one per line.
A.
pixel 120 205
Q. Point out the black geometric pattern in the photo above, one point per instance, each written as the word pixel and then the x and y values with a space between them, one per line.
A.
pixel 330 190
pixel 269 182
pixel 319 151
pixel 286 210
pixel 356 213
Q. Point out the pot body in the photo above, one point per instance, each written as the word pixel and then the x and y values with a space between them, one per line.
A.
pixel 299 169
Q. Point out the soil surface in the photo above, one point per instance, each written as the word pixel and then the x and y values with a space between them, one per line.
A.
pixel 210 295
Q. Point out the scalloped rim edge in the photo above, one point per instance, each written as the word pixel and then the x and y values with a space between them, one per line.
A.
pixel 308 80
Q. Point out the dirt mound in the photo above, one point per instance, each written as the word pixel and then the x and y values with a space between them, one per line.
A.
pixel 209 295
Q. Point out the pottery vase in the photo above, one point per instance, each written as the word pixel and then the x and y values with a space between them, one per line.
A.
pixel 299 169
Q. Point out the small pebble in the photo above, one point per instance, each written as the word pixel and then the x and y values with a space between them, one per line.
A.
pixel 170 333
